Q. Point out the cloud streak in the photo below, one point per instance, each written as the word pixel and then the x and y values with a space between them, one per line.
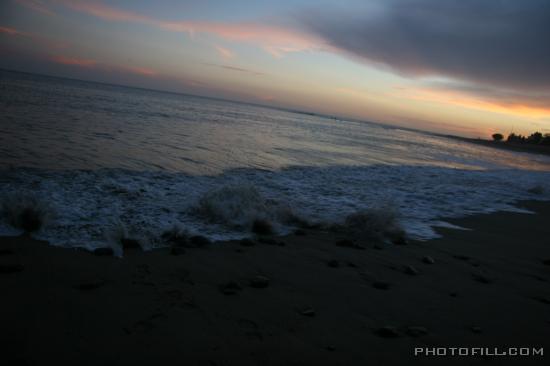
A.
pixel 499 43
pixel 89 63
pixel 275 40
pixel 234 68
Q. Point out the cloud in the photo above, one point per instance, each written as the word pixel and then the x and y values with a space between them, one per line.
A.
pixel 10 31
pixel 484 98
pixel 36 5
pixel 492 42
pixel 89 63
pixel 73 61
pixel 233 68
pixel 225 53
pixel 275 40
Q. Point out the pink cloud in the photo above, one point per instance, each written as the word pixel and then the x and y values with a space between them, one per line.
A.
pixel 36 5
pixel 225 53
pixel 273 39
pixel 73 61
pixel 89 63
pixel 106 12
pixel 10 31
pixel 138 70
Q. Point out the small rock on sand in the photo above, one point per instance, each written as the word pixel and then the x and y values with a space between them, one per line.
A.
pixel 347 243
pixel 246 242
pixel 333 263
pixel 400 241
pixel 428 260
pixel 92 285
pixel 268 241
pixel 410 270
pixel 262 227
pixel 462 257
pixel 416 331
pixel 100 252
pixel 230 288
pixel 476 329
pixel 259 282
pixel 199 241
pixel 479 277
pixel 307 311
pixel 381 285
pixel 388 332
pixel 542 299
pixel 10 268
pixel 129 243
pixel 177 251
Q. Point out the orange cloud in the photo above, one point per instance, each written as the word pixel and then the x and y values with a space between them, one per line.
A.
pixel 138 70
pixel 456 98
pixel 106 12
pixel 73 61
pixel 88 63
pixel 275 40
pixel 10 31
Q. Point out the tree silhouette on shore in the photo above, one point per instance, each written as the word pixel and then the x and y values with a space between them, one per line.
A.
pixel 536 138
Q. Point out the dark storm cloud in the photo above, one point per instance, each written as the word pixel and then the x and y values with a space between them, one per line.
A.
pixel 500 43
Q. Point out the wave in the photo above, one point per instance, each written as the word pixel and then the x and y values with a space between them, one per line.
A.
pixel 91 207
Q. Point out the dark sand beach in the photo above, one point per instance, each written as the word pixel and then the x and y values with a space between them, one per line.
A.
pixel 323 304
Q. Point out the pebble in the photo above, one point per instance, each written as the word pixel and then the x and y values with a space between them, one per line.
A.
pixel 401 241
pixel 416 331
pixel 6 252
pixel 87 286
pixel 309 311
pixel 177 251
pixel 11 268
pixel 128 243
pixel 428 260
pixel 388 332
pixel 410 270
pixel 262 227
pixel 259 282
pixel 246 242
pixel 333 263
pixel 476 330
pixel 481 278
pixel 199 240
pixel 230 288
pixel 104 252
pixel 381 285
pixel 347 243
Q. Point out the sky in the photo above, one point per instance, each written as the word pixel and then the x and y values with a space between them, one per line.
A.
pixel 464 67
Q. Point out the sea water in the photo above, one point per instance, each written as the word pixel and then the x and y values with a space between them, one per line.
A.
pixel 102 157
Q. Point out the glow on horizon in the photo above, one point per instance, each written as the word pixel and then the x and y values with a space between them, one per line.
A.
pixel 260 58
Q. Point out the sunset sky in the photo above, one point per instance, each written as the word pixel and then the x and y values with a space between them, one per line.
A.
pixel 464 67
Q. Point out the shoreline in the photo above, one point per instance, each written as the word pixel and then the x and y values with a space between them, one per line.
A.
pixel 503 145
pixel 308 301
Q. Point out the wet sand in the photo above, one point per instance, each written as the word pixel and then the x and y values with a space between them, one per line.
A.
pixel 324 304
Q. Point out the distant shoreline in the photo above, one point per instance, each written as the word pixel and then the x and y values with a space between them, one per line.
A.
pixel 503 145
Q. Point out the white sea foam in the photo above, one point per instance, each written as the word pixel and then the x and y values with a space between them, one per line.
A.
pixel 145 204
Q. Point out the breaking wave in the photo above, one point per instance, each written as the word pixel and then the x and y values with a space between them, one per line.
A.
pixel 92 207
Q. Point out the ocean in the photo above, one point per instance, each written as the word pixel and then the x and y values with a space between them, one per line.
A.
pixel 104 158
